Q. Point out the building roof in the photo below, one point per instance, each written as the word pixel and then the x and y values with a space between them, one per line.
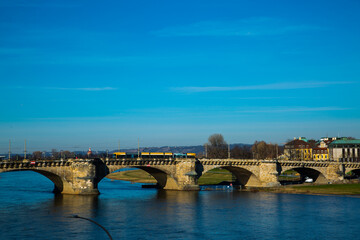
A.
pixel 345 141
pixel 298 144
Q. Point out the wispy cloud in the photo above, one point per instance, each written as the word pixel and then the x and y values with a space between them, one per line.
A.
pixel 263 98
pixel 243 27
pixel 66 89
pixel 272 86
pixel 293 109
pixel 82 89
pixel 196 113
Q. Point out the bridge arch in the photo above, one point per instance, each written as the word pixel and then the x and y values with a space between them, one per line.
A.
pixel 56 179
pixel 244 177
pixel 164 178
pixel 318 176
pixel 352 173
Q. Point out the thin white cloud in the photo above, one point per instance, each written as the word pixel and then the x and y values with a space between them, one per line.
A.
pixel 83 118
pixel 264 98
pixel 157 113
pixel 293 109
pixel 66 89
pixel 258 26
pixel 272 86
pixel 83 89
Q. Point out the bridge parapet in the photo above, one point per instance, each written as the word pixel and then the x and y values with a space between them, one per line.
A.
pixel 355 165
pixel 304 163
pixel 140 162
pixel 230 162
pixel 33 164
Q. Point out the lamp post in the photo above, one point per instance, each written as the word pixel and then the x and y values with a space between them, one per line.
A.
pixel 25 151
pixel 229 151
pixel 206 151
pixel 90 220
pixel 138 158
pixel 9 149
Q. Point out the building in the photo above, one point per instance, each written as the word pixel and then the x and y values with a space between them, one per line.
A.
pixel 321 151
pixel 298 149
pixel 345 150
pixel 89 153
pixel 328 139
pixel 320 154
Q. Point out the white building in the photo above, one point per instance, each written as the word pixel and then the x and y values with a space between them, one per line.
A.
pixel 347 150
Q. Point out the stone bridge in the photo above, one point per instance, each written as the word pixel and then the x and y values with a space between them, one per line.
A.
pixel 81 176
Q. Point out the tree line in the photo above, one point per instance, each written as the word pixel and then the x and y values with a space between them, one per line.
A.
pixel 216 147
pixel 56 155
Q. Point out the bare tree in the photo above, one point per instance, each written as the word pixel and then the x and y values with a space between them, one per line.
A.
pixel 259 149
pixel 263 150
pixel 55 154
pixel 312 142
pixel 16 157
pixel 216 146
pixel 241 152
pixel 67 154
pixel 36 155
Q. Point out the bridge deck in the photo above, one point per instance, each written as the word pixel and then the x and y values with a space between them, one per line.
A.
pixel 159 161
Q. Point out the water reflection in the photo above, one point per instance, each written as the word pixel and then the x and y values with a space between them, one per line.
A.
pixel 130 212
pixel 183 197
pixel 75 205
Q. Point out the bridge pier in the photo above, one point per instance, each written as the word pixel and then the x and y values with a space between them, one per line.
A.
pixel 184 177
pixel 335 172
pixel 83 177
pixel 269 173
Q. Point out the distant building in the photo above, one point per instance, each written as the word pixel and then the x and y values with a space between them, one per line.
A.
pixel 321 151
pixel 302 138
pixel 89 152
pixel 298 149
pixel 2 158
pixel 345 150
pixel 320 154
pixel 328 140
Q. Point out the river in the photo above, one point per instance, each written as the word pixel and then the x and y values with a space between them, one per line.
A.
pixel 29 210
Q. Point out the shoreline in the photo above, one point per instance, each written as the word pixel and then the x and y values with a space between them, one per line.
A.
pixel 310 190
pixel 347 188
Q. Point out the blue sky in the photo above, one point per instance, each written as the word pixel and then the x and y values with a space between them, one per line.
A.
pixel 79 74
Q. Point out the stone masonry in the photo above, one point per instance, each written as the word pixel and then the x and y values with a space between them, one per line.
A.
pixel 82 176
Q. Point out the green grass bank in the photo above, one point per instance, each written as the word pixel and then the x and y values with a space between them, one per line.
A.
pixel 218 176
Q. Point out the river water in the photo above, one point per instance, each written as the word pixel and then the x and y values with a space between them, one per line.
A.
pixel 28 210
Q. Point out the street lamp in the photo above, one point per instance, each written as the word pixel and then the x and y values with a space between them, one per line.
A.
pixel 90 220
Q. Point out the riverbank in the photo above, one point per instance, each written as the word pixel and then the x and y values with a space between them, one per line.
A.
pixel 219 176
pixel 213 177
pixel 138 176
pixel 328 189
